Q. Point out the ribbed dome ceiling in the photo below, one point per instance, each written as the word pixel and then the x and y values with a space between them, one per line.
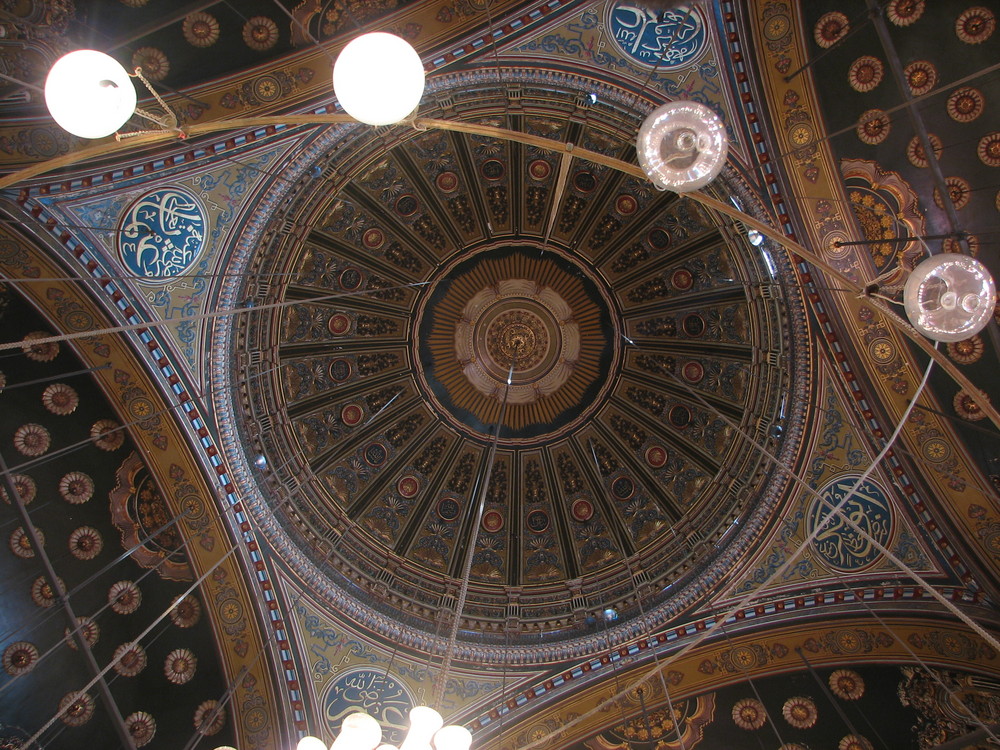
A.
pixel 641 334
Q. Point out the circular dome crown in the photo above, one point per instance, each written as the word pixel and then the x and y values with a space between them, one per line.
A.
pixel 639 342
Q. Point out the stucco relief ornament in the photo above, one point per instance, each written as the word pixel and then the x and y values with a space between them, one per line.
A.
pixel 23 485
pixel 975 25
pixel 142 727
pixel 260 33
pixel 854 742
pixel 186 612
pixel 20 543
pixel 207 720
pixel 40 352
pixel 19 658
pixel 154 63
pixel 76 709
pixel 800 712
pixel 42 592
pixel 76 487
pixel 989 149
pixel 180 666
pixel 916 154
pixel 905 12
pixel 201 29
pixel 831 28
pixel 965 104
pixel 60 399
pixel 866 73
pixel 90 630
pixel 847 684
pixel 921 76
pixel 86 543
pixel 107 434
pixel 873 127
pixel 517 322
pixel 959 192
pixel 749 714
pixel 129 659
pixel 967 408
pixel 124 597
pixel 32 440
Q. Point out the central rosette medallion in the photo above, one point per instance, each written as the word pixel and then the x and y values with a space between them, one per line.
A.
pixel 517 323
pixel 541 313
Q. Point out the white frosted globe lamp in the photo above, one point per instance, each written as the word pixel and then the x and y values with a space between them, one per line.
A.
pixel 949 297
pixel 453 737
pixel 310 743
pixel 682 146
pixel 424 722
pixel 358 731
pixel 89 94
pixel 378 78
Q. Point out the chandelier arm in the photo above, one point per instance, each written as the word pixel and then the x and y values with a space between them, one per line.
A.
pixel 633 170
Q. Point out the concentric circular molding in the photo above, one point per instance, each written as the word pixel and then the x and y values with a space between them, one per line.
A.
pixel 500 316
pixel 297 537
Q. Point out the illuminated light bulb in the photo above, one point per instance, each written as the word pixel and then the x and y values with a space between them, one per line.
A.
pixel 949 297
pixel 89 94
pixel 424 722
pixel 310 743
pixel 682 146
pixel 453 737
pixel 378 78
pixel 358 731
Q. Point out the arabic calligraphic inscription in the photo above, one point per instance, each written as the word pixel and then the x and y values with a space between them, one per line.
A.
pixel 376 693
pixel 161 234
pixel 847 539
pixel 665 38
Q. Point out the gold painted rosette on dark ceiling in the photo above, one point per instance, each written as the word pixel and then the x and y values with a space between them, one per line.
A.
pixel 643 339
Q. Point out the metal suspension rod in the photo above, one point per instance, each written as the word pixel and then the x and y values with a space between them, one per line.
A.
pixel 463 591
pixel 60 590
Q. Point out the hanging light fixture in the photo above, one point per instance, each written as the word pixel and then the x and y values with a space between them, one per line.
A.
pixel 89 94
pixel 949 297
pixel 359 731
pixel 378 78
pixel 682 146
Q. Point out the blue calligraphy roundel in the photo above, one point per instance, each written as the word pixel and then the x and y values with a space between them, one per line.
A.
pixel 665 38
pixel 839 544
pixel 376 693
pixel 162 234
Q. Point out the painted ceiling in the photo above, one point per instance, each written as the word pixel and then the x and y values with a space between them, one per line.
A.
pixel 677 526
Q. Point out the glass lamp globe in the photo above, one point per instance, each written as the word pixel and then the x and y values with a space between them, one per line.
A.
pixel 949 297
pixel 424 722
pixel 378 78
pixel 310 743
pixel 89 94
pixel 682 146
pixel 453 737
pixel 358 731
